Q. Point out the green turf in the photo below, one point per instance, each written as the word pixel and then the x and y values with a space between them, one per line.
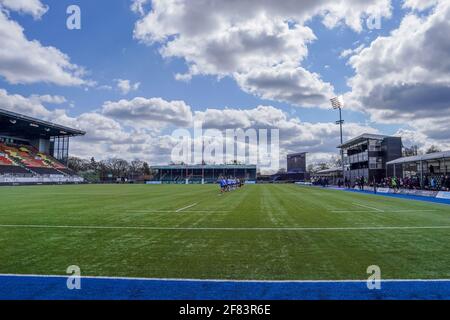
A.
pixel 220 253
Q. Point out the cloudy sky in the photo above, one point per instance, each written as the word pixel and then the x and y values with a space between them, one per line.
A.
pixel 139 69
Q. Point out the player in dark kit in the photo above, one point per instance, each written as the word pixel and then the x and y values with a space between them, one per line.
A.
pixel 223 185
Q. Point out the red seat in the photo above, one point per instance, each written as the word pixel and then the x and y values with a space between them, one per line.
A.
pixel 5 161
pixel 29 157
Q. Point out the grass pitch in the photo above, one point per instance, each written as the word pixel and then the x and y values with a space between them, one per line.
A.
pixel 262 232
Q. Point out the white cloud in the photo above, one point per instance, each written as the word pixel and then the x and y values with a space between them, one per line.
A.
pixel 406 75
pixel 19 104
pixel 350 52
pixel 23 61
pixel 294 85
pixel 249 38
pixel 295 135
pixel 46 98
pixel 419 4
pixel 152 112
pixel 261 42
pixel 422 140
pixel 33 7
pixel 230 118
pixel 137 6
pixel 171 17
pixel 105 87
pixel 404 78
pixel 125 86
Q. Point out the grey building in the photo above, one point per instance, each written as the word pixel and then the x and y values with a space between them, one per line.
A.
pixel 296 162
pixel 366 156
pixel 334 175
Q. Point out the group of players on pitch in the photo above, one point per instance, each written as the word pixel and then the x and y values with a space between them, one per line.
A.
pixel 229 184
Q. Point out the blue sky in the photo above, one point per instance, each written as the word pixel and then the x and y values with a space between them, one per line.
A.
pixel 107 50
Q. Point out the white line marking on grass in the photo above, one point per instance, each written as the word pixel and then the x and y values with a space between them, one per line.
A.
pixel 418 210
pixel 216 280
pixel 149 211
pixel 219 228
pixel 172 211
pixel 367 207
pixel 187 207
pixel 387 211
pixel 351 211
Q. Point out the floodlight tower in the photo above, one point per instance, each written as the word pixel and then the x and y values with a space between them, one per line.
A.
pixel 337 103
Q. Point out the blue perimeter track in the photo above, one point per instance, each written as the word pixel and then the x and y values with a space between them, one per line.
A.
pixel 406 196
pixel 393 195
pixel 15 287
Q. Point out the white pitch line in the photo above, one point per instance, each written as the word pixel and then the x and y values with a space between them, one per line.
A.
pixel 215 280
pixel 351 211
pixel 218 228
pixel 367 207
pixel 187 207
pixel 172 211
pixel 388 211
pixel 418 210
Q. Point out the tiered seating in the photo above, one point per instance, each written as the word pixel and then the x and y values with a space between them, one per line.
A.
pixel 41 170
pixel 4 160
pixel 23 164
pixel 29 158
pixel 51 161
pixel 7 166
pixel 68 171
pixel 20 155
pixel 12 170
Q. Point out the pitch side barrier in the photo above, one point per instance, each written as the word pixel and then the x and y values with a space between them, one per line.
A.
pixel 424 195
pixel 40 180
pixel 190 182
pixel 420 193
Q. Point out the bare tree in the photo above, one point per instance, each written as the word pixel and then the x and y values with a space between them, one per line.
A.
pixel 335 162
pixel 136 169
pixel 118 167
pixel 412 151
pixel 110 169
pixel 77 164
pixel 433 149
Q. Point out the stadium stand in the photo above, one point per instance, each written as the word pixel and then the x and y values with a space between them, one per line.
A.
pixel 4 160
pixel 67 171
pixel 51 161
pixel 21 155
pixel 25 156
pixel 34 151
pixel 199 174
pixel 13 169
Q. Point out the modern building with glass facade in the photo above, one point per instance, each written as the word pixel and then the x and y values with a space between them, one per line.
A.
pixel 366 156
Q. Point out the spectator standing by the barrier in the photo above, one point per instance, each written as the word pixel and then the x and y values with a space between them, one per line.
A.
pixel 433 183
pixel 447 183
pixel 443 182
pixel 426 183
pixel 394 183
